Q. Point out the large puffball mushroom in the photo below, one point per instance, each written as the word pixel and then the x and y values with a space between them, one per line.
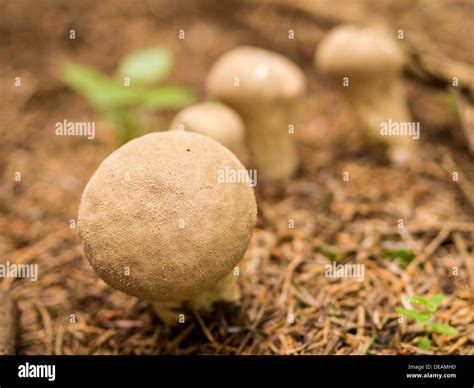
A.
pixel 263 87
pixel 365 64
pixel 215 120
pixel 157 222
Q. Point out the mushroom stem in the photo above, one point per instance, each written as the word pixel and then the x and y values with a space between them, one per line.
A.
pixel 377 104
pixel 226 290
pixel 269 140
pixel 168 312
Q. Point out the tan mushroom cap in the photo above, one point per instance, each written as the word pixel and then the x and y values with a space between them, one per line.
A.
pixel 212 119
pixel 156 222
pixel 260 74
pixel 350 50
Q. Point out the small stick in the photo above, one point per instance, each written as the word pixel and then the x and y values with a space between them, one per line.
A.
pixel 465 185
pixel 255 324
pixel 467 258
pixel 8 325
pixel 360 322
pixel 289 276
pixel 26 255
pixel 204 328
pixel 429 250
pixel 418 228
pixel 461 341
pixel 176 341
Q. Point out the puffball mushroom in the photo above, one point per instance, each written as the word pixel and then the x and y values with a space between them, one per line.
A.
pixel 215 120
pixel 157 223
pixel 263 87
pixel 372 63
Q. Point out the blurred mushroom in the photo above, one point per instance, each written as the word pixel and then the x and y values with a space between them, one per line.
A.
pixel 156 222
pixel 215 120
pixel 365 64
pixel 263 87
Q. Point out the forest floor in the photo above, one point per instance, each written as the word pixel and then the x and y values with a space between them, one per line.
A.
pixel 289 306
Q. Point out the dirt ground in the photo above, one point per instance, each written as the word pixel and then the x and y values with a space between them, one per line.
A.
pixel 288 305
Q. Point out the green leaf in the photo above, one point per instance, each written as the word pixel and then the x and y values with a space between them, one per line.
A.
pixel 424 343
pixel 333 256
pixel 147 66
pixel 369 344
pixel 411 314
pixel 451 102
pixel 441 328
pixel 403 255
pixel 101 90
pixel 431 303
pixel 331 252
pixel 419 299
pixel 421 318
pixel 168 97
pixel 125 123
pixel 434 302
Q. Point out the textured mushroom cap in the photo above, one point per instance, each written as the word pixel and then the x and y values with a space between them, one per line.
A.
pixel 157 223
pixel 261 74
pixel 357 50
pixel 212 119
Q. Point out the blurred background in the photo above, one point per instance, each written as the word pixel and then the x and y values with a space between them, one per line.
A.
pixel 288 305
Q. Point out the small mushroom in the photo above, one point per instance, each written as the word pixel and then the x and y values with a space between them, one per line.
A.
pixel 366 64
pixel 263 87
pixel 8 324
pixel 157 223
pixel 215 120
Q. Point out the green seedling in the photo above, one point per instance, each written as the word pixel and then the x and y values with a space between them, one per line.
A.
pixel 331 252
pixel 369 344
pixel 424 317
pixel 404 256
pixel 138 85
pixel 452 102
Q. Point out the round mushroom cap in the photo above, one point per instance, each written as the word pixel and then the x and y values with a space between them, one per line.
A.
pixel 212 119
pixel 157 220
pixel 249 73
pixel 358 50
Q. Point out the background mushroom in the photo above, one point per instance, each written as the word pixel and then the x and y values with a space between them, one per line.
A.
pixel 8 324
pixel 263 87
pixel 365 64
pixel 215 120
pixel 156 222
